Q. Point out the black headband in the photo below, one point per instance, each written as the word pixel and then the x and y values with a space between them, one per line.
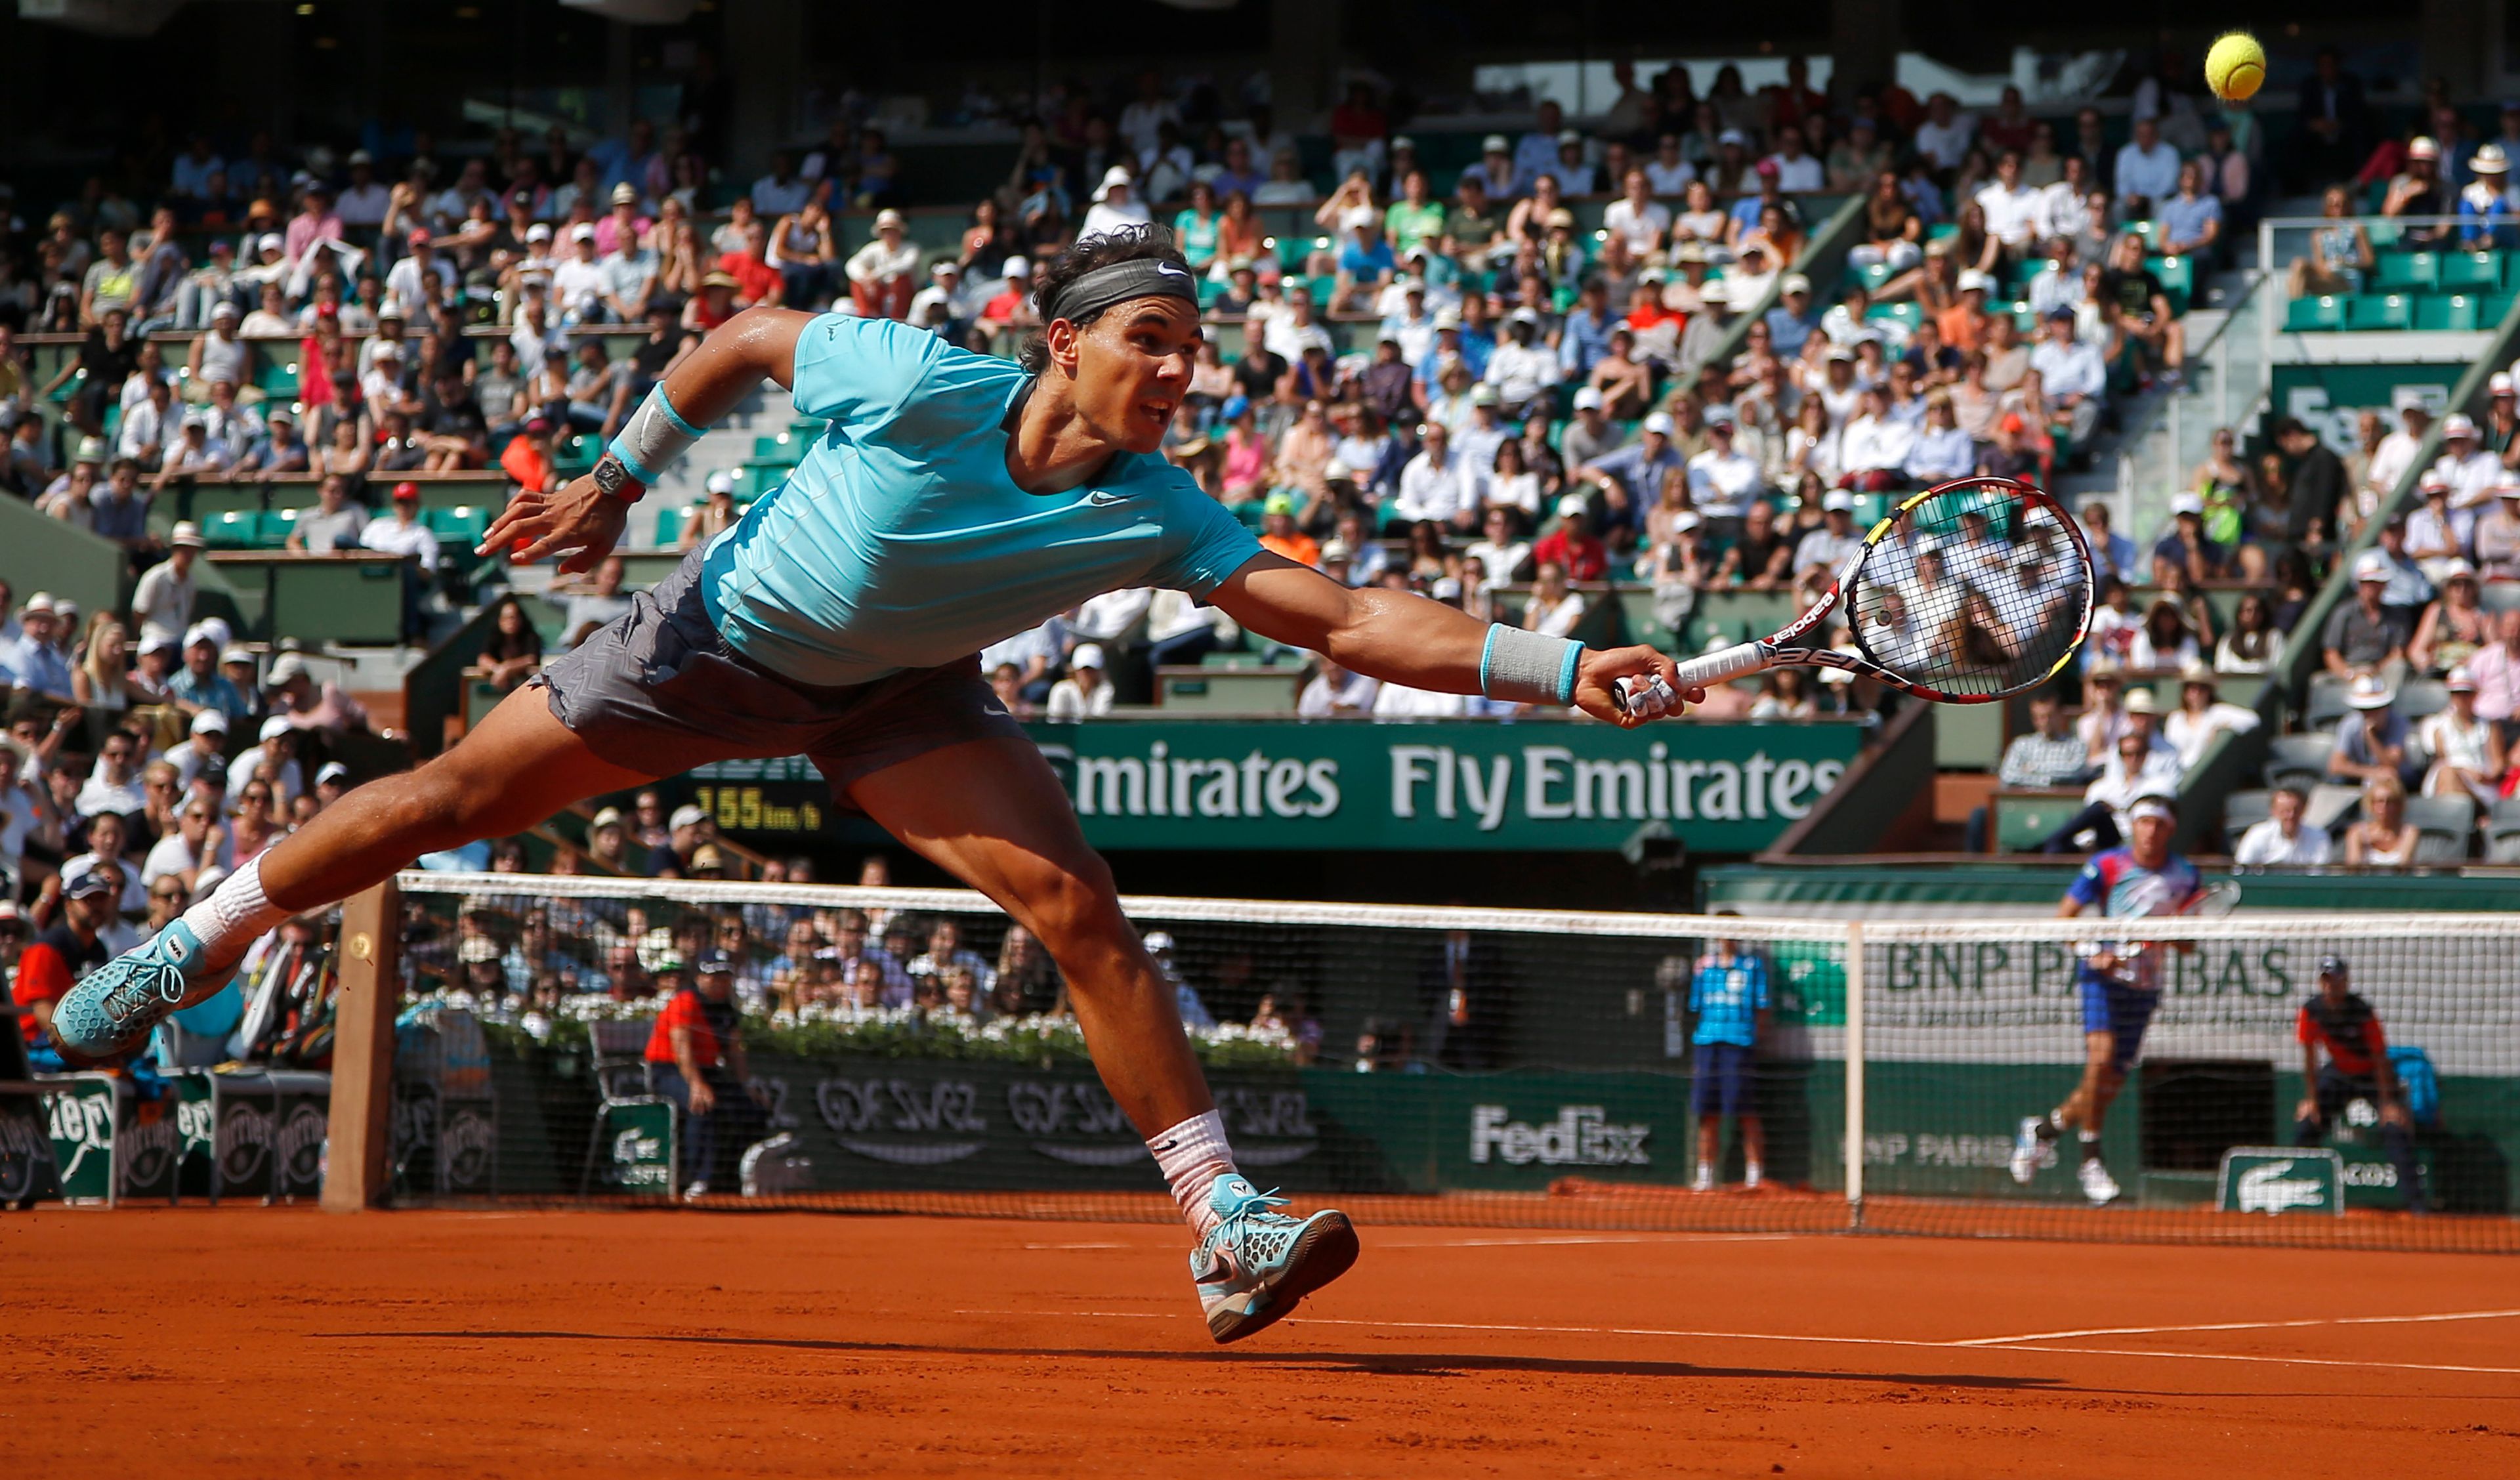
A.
pixel 1099 290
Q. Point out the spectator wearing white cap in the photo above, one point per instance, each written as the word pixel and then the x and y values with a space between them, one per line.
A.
pixel 1115 204
pixel 2436 533
pixel 579 280
pixel 1825 548
pixel 293 691
pixel 882 275
pixel 161 602
pixel 937 308
pixel 2372 738
pixel 2465 748
pixel 275 759
pixel 199 684
pixel 2416 191
pixel 1631 477
pixel 2495 535
pixel 1086 692
pixel 205 742
pixel 33 661
pixel 2471 471
pixel 1590 435
pixel 713 514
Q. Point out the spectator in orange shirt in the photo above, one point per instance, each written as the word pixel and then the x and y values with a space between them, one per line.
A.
pixel 1963 325
pixel 528 459
pixel 1277 531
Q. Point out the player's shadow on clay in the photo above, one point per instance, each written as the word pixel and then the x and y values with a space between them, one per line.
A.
pixel 1392 1364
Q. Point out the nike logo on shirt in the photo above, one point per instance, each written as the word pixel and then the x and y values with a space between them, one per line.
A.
pixel 1103 498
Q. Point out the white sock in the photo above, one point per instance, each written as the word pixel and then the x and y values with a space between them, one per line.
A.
pixel 1193 1156
pixel 235 914
pixel 1752 1174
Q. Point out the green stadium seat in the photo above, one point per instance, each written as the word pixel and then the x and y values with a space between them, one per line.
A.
pixel 2402 271
pixel 2311 315
pixel 2177 277
pixel 464 524
pixel 2471 270
pixel 669 528
pixel 234 529
pixel 1872 275
pixel 1908 314
pixel 757 480
pixel 2368 311
pixel 2446 311
pixel 274 527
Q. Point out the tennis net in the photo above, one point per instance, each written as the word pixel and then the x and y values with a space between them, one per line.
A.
pixel 909 1050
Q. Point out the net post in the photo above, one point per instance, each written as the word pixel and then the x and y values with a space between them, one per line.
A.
pixel 1853 1075
pixel 360 1133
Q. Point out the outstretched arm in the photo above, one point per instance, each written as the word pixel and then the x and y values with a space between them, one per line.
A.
pixel 1405 639
pixel 703 385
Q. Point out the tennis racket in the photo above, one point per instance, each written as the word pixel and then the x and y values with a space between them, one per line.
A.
pixel 2212 901
pixel 1965 594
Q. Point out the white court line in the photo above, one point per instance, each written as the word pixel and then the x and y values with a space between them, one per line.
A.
pixel 1771 1336
pixel 2239 1326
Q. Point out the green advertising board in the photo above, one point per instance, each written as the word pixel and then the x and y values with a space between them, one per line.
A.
pixel 1539 786
pixel 638 1139
pixel 110 1145
pixel 2279 1180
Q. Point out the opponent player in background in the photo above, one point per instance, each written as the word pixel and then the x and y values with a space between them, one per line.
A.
pixel 2120 985
pixel 956 500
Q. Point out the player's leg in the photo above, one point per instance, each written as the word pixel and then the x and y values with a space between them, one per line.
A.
pixel 2033 1143
pixel 1710 1145
pixel 991 813
pixel 518 768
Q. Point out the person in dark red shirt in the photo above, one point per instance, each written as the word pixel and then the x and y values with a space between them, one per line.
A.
pixel 696 1059
pixel 2343 1025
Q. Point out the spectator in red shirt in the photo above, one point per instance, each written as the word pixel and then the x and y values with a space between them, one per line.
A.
pixel 756 282
pixel 62 955
pixel 2339 1021
pixel 696 1059
pixel 1572 544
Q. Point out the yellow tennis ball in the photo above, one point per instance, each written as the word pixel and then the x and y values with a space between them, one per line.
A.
pixel 2237 67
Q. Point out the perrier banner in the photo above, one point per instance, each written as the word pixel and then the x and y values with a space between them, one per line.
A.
pixel 1544 785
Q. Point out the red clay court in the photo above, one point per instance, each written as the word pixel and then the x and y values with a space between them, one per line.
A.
pixel 258 1341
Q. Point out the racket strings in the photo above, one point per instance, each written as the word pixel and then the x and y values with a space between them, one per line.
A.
pixel 1971 592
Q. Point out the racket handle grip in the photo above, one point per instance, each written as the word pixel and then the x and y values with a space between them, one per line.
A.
pixel 1716 667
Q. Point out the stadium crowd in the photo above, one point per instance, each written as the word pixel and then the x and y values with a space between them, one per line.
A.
pixel 1439 382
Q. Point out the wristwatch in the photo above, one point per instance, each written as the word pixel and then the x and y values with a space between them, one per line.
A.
pixel 611 478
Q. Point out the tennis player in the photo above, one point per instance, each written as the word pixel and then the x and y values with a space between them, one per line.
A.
pixel 956 500
pixel 2121 986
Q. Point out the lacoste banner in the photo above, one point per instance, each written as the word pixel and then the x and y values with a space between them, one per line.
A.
pixel 2281 1179
pixel 1261 784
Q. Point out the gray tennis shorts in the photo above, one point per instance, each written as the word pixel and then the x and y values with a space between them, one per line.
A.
pixel 660 692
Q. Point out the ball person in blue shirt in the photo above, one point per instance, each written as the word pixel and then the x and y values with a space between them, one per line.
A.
pixel 1728 996
pixel 2120 982
pixel 954 501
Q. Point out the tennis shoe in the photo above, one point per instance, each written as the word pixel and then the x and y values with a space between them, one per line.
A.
pixel 1257 1263
pixel 110 1011
pixel 2032 1152
pixel 1704 1181
pixel 2098 1184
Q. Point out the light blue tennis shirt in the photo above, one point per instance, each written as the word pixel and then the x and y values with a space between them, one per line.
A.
pixel 900 542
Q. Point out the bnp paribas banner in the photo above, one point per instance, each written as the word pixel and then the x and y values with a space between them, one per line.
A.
pixel 1721 788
